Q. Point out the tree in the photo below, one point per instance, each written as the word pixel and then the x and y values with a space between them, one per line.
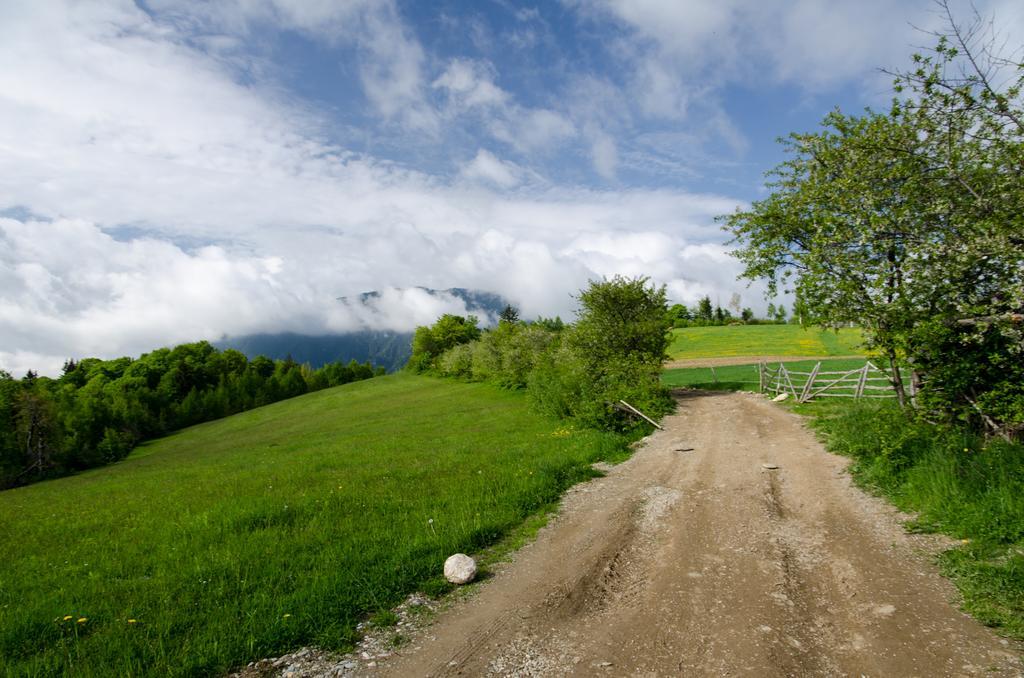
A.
pixel 616 348
pixel 910 217
pixel 430 342
pixel 704 309
pixel 37 429
pixel 677 312
pixel 841 222
pixel 747 315
pixel 735 302
pixel 555 324
pixel 622 317
pixel 509 314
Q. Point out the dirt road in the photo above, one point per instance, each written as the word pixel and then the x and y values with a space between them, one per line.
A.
pixel 693 559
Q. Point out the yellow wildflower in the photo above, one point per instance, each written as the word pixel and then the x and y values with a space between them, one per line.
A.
pixel 82 620
pixel 131 621
pixel 286 615
pixel 67 617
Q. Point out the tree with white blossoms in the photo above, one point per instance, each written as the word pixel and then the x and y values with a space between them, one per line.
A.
pixel 910 223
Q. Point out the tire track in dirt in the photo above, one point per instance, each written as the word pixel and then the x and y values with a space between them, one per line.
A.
pixel 704 562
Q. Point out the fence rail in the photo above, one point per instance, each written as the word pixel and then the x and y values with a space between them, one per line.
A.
pixel 869 381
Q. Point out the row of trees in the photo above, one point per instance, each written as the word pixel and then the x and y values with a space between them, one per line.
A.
pixel 910 223
pixel 704 314
pixel 98 410
pixel 612 352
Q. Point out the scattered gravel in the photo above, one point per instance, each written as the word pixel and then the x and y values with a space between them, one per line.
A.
pixel 376 646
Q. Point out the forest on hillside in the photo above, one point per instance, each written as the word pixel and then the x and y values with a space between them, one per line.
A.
pixel 97 411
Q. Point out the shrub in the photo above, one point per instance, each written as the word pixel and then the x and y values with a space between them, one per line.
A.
pixel 430 342
pixel 972 374
pixel 613 352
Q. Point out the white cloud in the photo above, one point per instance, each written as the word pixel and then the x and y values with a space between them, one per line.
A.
pixel 392 72
pixel 235 215
pixel 807 42
pixel 604 153
pixel 390 58
pixel 71 289
pixel 536 130
pixel 488 167
pixel 470 88
pixel 396 309
pixel 470 83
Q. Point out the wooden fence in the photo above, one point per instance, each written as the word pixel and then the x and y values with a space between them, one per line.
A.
pixel 869 381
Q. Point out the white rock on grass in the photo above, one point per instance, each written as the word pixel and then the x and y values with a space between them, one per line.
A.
pixel 460 569
pixel 779 398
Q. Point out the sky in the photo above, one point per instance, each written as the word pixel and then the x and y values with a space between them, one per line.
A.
pixel 176 170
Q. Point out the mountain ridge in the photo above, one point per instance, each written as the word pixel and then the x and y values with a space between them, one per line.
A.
pixel 385 348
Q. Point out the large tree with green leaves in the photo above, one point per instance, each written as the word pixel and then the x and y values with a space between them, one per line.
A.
pixel 839 224
pixel 909 219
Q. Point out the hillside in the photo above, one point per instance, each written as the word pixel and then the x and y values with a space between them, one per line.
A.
pixel 762 340
pixel 264 531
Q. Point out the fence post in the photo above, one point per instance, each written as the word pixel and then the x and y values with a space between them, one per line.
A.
pixel 760 377
pixel 810 383
pixel 863 380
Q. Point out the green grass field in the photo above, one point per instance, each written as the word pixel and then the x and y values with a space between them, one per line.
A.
pixel 762 340
pixel 744 377
pixel 286 525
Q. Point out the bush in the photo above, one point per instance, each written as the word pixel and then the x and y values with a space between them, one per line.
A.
pixel 613 352
pixel 430 342
pixel 972 374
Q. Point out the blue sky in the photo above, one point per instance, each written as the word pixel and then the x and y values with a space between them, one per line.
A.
pixel 172 170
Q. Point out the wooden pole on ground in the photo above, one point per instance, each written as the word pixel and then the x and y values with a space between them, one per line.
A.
pixel 641 414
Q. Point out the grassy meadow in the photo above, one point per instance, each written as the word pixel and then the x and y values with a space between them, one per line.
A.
pixel 282 526
pixel 762 340
pixel 744 377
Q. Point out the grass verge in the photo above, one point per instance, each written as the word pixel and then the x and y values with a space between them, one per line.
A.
pixel 279 527
pixel 955 483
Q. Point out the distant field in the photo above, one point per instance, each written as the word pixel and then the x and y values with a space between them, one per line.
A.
pixel 282 526
pixel 744 377
pixel 762 340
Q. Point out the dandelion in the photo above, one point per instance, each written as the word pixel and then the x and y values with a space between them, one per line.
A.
pixel 68 617
pixel 430 523
pixel 132 621
pixel 286 615
pixel 82 620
